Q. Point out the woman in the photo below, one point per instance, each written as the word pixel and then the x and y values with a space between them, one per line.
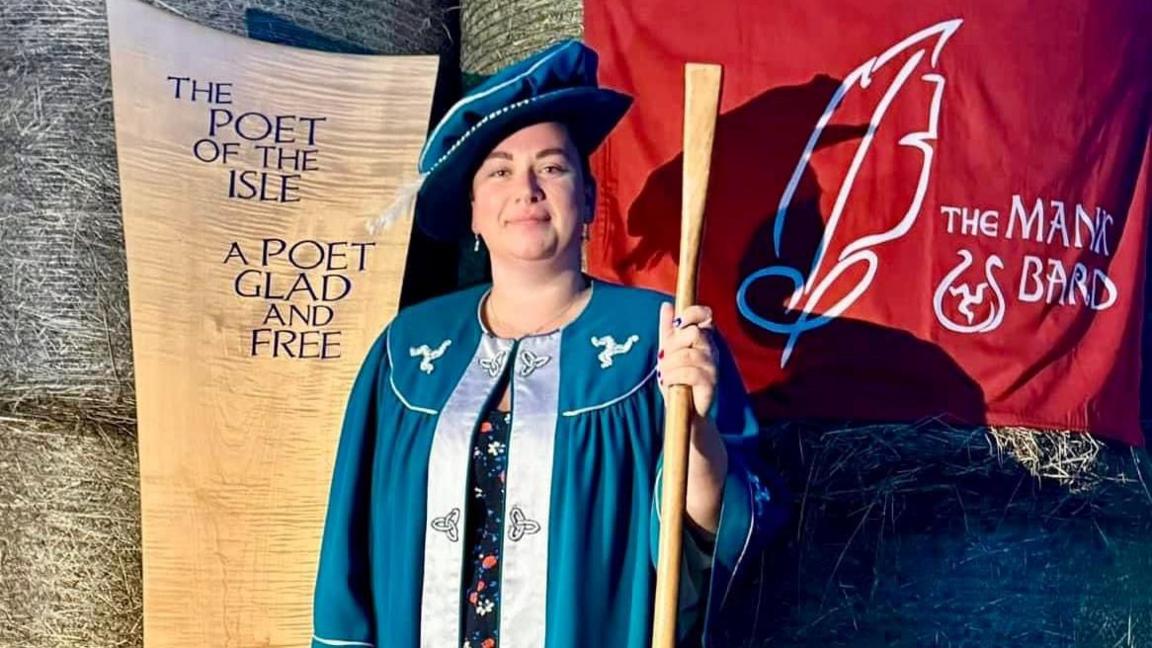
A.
pixel 498 472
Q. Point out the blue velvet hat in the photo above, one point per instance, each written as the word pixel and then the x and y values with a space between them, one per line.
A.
pixel 556 84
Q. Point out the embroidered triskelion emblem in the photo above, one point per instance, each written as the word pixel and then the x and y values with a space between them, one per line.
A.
pixel 428 355
pixel 531 362
pixel 495 364
pixel 612 348
pixel 448 524
pixel 521 525
pixel 760 494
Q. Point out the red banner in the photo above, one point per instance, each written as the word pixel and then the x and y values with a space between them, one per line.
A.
pixel 916 209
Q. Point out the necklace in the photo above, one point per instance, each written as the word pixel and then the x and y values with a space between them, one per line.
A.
pixel 503 324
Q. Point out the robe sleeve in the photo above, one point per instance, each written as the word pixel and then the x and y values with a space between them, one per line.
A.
pixel 750 515
pixel 342 604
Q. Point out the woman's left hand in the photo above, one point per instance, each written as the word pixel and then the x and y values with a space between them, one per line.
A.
pixel 687 355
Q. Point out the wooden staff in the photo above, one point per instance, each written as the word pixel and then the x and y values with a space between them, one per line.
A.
pixel 701 102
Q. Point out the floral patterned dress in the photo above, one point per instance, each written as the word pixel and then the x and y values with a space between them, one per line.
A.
pixel 484 527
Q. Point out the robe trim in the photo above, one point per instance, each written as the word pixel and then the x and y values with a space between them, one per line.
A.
pixel 608 403
pixel 747 539
pixel 480 311
pixel 395 389
pixel 342 642
pixel 743 551
pixel 535 386
pixel 449 461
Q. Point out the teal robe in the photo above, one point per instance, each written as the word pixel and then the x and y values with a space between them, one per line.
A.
pixel 582 483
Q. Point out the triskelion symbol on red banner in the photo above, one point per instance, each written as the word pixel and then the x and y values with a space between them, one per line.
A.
pixel 985 292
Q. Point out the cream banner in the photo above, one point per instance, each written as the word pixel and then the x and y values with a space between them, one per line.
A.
pixel 249 172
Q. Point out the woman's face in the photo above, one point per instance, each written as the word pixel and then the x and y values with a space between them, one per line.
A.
pixel 530 198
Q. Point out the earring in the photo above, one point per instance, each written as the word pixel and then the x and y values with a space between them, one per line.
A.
pixel 584 234
pixel 476 246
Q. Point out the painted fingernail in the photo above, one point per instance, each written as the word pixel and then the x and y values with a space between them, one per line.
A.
pixel 677 322
pixel 660 356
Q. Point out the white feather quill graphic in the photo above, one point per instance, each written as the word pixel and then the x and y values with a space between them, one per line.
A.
pixel 811 286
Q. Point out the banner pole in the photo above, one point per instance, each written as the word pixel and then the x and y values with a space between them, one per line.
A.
pixel 701 103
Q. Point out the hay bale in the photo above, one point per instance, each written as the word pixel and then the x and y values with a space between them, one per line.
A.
pixel 65 305
pixel 64 302
pixel 70 570
pixel 929 535
pixel 382 26
pixel 69 531
pixel 494 33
